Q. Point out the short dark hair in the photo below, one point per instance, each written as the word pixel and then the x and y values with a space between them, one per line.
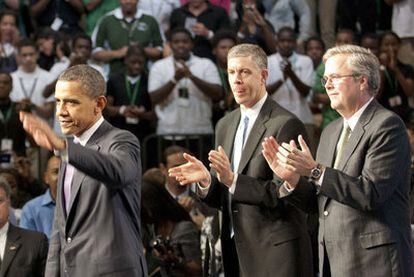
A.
pixel 9 12
pixel 26 42
pixel 173 149
pixel 81 35
pixel 179 30
pixel 89 78
pixel 318 39
pixel 8 75
pixel 286 29
pixel 390 33
pixel 135 50
pixel 223 34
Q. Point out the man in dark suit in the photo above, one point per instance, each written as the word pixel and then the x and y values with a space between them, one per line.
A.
pixel 361 175
pixel 22 252
pixel 261 235
pixel 96 229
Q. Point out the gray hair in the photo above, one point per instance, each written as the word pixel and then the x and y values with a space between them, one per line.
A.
pixel 4 184
pixel 89 78
pixel 361 61
pixel 246 50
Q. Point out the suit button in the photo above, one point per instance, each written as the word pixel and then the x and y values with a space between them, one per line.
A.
pixel 69 240
pixel 325 213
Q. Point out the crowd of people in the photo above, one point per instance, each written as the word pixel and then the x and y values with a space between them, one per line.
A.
pixel 278 99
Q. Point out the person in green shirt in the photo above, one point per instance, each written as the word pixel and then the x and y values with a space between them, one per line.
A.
pixel 122 27
pixel 95 10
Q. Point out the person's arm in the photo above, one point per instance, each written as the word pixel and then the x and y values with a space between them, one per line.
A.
pixel 302 88
pixel 211 90
pixel 38 7
pixel 13 4
pixel 407 84
pixel 160 94
pixel 77 5
pixel 26 220
pixel 106 55
pixel 42 249
pixel 93 4
pixel 272 88
pixel 301 9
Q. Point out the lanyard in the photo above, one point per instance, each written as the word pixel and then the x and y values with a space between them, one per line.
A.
pixel 132 96
pixel 31 89
pixel 131 28
pixel 223 80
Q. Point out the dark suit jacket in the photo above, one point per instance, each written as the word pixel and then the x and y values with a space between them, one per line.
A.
pixel 101 233
pixel 270 236
pixel 363 205
pixel 25 253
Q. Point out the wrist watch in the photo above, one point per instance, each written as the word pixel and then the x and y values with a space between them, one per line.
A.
pixel 316 173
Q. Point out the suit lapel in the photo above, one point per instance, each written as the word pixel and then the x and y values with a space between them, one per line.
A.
pixel 230 135
pixel 12 246
pixel 255 135
pixel 78 177
pixel 357 134
pixel 61 187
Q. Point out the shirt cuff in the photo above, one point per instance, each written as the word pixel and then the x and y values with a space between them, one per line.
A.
pixel 284 190
pixel 232 188
pixel 202 191
pixel 63 154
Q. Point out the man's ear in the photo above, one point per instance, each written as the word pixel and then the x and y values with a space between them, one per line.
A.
pixel 100 104
pixel 265 74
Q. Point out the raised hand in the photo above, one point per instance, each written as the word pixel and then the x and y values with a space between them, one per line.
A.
pixel 193 171
pixel 221 164
pixel 271 153
pixel 41 132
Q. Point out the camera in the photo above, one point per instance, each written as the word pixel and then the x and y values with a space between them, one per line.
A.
pixel 170 253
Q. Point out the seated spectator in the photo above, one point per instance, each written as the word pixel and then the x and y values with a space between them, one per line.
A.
pixel 53 52
pixel 344 36
pixel 60 15
pixel 95 10
pixel 174 244
pixel 23 252
pixel 371 42
pixel 37 214
pixel 182 87
pixel 12 134
pixel 222 41
pixel 122 27
pixel 202 19
pixel 314 49
pixel 397 78
pixel 129 105
pixel 283 14
pixel 254 29
pixel 30 80
pixel 9 36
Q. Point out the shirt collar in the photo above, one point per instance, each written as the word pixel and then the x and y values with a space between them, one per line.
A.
pixel 119 15
pixel 83 139
pixel 47 198
pixel 255 110
pixel 353 120
pixel 4 229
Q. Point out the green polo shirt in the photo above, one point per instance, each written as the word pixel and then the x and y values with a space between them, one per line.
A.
pixel 114 33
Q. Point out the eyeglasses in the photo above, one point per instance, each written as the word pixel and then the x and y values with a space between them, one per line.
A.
pixel 334 78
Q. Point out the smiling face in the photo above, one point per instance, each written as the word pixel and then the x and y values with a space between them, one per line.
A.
pixel 247 80
pixel 7 28
pixel 75 109
pixel 346 93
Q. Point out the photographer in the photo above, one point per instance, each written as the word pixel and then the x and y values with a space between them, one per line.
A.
pixel 173 248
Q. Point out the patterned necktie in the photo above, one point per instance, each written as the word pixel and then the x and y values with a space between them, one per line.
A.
pixel 343 141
